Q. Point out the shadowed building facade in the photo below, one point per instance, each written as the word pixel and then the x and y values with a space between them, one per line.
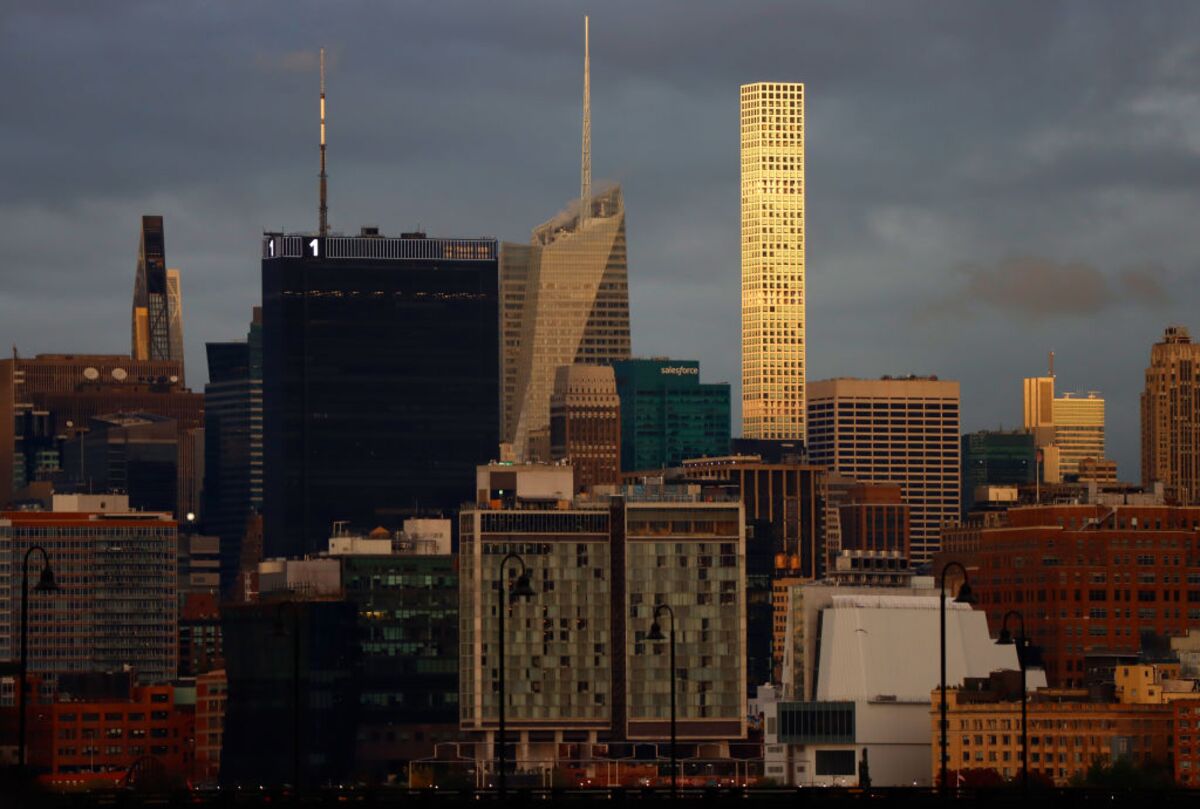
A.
pixel 380 380
pixel 157 320
pixel 233 442
pixel 585 424
pixel 51 397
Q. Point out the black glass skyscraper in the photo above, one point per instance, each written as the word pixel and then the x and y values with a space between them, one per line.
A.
pixel 233 442
pixel 380 380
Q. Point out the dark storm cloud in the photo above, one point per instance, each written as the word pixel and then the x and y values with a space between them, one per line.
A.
pixel 939 135
pixel 1036 288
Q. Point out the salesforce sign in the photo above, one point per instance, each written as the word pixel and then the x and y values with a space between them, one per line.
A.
pixel 679 370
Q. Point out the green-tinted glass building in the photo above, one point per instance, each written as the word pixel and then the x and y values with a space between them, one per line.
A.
pixel 668 414
pixel 995 459
pixel 408 634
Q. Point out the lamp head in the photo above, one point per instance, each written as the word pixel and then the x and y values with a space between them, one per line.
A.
pixel 523 588
pixel 965 596
pixel 656 633
pixel 46 582
pixel 1006 638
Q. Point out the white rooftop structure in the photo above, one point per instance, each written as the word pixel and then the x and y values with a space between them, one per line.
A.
pixel 887 646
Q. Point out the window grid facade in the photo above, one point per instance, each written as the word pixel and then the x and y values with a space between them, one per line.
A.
pixel 773 238
pixel 903 431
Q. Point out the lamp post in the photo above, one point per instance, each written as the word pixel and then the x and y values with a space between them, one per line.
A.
pixel 656 634
pixel 964 597
pixel 280 631
pixel 1006 639
pixel 46 584
pixel 522 589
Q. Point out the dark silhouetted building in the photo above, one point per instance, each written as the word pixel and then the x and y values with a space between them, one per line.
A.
pixel 380 380
pixel 157 320
pixel 667 414
pixel 408 627
pixel 784 509
pixel 233 442
pixel 49 398
pixel 268 710
pixel 996 459
pixel 134 453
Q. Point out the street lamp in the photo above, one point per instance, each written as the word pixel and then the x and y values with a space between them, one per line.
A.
pixel 964 597
pixel 46 584
pixel 522 589
pixel 281 631
pixel 656 634
pixel 1006 639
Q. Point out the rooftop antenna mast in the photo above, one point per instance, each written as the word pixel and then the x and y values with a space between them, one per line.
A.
pixel 1051 364
pixel 585 174
pixel 323 228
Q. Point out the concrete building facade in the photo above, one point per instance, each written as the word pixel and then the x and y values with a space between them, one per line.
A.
pixel 901 430
pixel 580 666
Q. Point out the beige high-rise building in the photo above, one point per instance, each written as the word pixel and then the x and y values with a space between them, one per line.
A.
pixel 1078 429
pixel 1039 409
pixel 565 300
pixel 1171 416
pixel 1069 427
pixel 773 357
pixel 901 430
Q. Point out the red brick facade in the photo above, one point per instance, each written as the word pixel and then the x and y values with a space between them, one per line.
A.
pixel 1089 578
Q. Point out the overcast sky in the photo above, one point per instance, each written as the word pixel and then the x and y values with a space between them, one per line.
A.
pixel 986 181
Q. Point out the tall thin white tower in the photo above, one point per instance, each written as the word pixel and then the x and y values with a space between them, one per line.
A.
pixel 323 213
pixel 585 172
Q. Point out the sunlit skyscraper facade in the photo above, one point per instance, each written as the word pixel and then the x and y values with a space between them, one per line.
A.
pixel 564 301
pixel 773 357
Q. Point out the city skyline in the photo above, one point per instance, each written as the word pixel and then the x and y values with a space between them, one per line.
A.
pixel 919 229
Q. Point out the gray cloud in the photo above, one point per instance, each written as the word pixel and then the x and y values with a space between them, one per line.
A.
pixel 1037 288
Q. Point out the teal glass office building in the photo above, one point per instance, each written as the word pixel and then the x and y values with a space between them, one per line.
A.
pixel 668 414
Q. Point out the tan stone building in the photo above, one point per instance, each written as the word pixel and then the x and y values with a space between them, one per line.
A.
pixel 902 430
pixel 773 342
pixel 1171 417
pixel 585 424
pixel 1067 732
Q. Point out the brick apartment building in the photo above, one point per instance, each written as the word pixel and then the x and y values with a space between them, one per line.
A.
pixel 1089 579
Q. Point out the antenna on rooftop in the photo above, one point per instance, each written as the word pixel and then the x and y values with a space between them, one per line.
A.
pixel 1051 364
pixel 323 223
pixel 585 173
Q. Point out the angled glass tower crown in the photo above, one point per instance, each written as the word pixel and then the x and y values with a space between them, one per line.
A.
pixel 151 318
pixel 566 301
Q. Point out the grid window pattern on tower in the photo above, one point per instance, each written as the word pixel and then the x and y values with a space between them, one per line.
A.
pixel 773 314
